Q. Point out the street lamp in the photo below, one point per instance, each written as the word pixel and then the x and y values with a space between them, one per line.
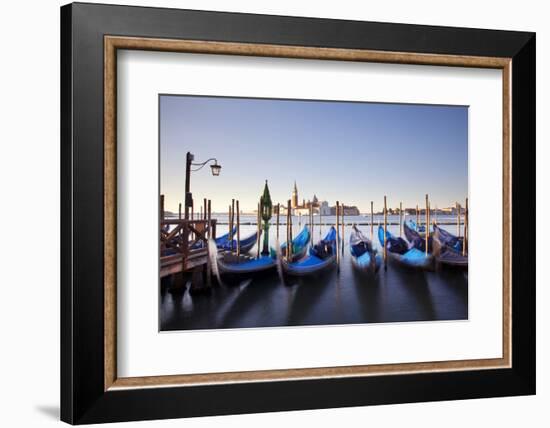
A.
pixel 266 212
pixel 216 168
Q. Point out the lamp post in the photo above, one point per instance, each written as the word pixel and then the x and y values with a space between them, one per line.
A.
pixel 189 164
pixel 267 210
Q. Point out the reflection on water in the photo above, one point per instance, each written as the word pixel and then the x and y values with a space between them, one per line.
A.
pixel 347 297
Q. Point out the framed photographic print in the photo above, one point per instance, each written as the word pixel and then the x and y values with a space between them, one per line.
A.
pixel 265 213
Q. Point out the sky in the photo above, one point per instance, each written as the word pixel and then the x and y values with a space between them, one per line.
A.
pixel 353 152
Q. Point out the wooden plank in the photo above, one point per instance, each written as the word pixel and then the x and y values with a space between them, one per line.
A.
pixel 176 221
pixel 170 259
pixel 193 263
pixel 171 235
pixel 170 270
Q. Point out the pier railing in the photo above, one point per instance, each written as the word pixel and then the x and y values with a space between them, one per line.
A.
pixel 184 244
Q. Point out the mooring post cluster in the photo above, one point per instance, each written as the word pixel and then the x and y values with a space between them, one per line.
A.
pixel 184 235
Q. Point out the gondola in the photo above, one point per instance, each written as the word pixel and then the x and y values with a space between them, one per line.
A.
pixel 229 264
pixel 363 256
pixel 448 239
pixel 398 250
pixel 420 228
pixel 225 238
pixel 246 244
pixel 321 256
pixel 416 240
pixel 299 245
pixel 448 249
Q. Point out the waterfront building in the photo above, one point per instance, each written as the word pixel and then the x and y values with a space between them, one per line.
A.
pixel 324 208
pixel 302 208
pixel 349 210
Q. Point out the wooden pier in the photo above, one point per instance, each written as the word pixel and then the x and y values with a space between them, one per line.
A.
pixel 184 245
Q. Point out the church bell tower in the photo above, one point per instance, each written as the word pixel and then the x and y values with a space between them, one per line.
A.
pixel 294 198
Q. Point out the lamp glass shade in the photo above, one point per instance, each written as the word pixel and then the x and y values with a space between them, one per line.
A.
pixel 216 169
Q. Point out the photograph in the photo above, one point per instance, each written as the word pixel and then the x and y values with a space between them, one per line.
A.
pixel 296 212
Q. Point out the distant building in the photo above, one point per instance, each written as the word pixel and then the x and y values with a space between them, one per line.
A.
pixel 294 198
pixel 324 208
pixel 348 210
pixel 304 207
pixel 452 210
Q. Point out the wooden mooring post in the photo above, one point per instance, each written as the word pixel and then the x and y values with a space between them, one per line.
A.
pixel 210 236
pixel 238 229
pixel 385 234
pixel 343 227
pixel 400 219
pixel 229 222
pixel 288 232
pixel 427 223
pixel 458 207
pixel 259 228
pixel 291 232
pixel 371 220
pixel 466 231
pixel 278 213
pixel 311 220
pixel 232 223
pixel 338 236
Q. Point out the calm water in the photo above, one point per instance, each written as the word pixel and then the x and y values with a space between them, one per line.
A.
pixel 347 297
